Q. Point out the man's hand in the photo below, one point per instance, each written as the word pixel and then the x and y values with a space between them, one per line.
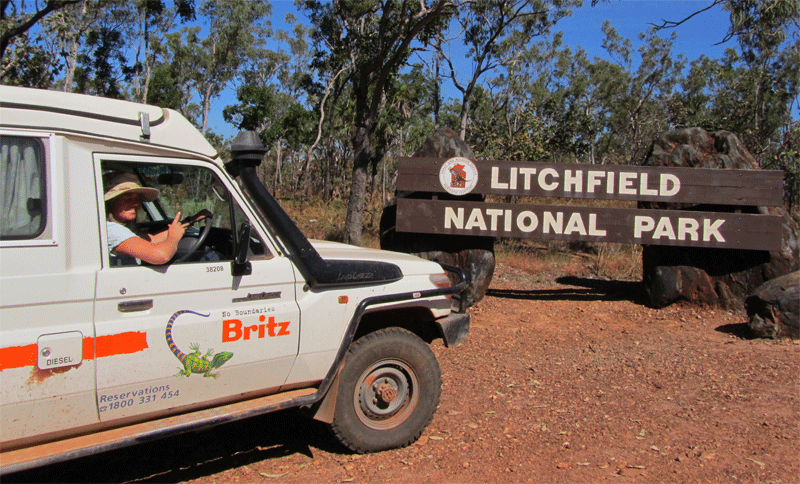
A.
pixel 177 228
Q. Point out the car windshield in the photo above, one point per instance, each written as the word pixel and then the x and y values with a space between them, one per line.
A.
pixel 185 189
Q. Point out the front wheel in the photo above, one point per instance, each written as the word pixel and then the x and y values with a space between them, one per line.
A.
pixel 389 389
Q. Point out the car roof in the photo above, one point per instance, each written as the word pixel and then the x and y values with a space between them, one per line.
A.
pixel 64 112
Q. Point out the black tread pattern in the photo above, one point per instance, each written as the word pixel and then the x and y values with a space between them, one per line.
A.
pixel 343 430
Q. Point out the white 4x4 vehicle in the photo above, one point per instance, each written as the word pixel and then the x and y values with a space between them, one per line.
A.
pixel 249 317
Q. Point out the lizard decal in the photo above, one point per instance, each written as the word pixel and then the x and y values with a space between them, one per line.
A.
pixel 193 362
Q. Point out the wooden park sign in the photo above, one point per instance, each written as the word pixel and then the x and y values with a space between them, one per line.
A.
pixel 458 177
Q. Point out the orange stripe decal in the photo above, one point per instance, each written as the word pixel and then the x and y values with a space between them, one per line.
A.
pixel 121 344
pixel 88 348
pixel 17 356
pixel 110 345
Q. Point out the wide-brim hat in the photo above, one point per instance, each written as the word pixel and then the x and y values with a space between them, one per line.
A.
pixel 128 183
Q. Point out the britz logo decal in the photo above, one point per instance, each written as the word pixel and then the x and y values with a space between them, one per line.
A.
pixel 234 330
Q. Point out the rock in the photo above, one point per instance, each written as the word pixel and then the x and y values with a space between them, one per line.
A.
pixel 774 308
pixel 673 283
pixel 716 277
pixel 475 255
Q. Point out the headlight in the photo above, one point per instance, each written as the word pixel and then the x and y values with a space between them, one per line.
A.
pixel 441 281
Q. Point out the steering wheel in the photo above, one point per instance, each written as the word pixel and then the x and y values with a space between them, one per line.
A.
pixel 192 247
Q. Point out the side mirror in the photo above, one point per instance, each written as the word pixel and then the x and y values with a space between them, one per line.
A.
pixel 240 265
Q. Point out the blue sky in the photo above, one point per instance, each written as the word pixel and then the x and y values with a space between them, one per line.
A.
pixel 696 37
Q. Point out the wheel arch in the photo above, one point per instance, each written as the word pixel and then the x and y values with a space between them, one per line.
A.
pixel 415 319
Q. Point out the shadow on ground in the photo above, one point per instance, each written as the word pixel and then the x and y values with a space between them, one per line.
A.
pixel 582 289
pixel 194 455
pixel 739 330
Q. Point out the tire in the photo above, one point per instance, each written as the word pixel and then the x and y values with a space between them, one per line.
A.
pixel 389 388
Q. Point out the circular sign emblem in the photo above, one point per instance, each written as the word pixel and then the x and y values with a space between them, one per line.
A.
pixel 458 176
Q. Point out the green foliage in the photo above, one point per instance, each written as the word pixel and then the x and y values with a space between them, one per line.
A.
pixel 164 89
pixel 496 33
pixel 28 66
pixel 786 156
pixel 520 136
pixel 274 115
pixel 369 42
pixel 256 105
pixel 338 98
pixel 751 90
pixel 102 70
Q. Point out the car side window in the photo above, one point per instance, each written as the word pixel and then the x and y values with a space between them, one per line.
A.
pixel 22 188
pixel 190 190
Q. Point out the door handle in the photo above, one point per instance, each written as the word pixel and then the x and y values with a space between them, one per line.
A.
pixel 132 306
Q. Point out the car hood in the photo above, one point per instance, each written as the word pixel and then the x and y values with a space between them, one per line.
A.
pixel 409 264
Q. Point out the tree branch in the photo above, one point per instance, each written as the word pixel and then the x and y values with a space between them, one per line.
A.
pixel 322 107
pixel 670 24
pixel 19 29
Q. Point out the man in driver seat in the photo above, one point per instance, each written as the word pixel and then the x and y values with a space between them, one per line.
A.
pixel 123 198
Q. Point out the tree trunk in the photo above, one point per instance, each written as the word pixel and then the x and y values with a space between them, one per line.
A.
pixel 355 206
pixel 306 175
pixel 462 125
pixel 72 60
pixel 278 162
pixel 207 106
pixel 437 94
pixel 328 180
pixel 358 188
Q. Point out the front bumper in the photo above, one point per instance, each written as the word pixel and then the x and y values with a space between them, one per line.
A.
pixel 453 328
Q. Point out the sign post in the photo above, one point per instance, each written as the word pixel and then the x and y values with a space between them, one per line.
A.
pixel 456 177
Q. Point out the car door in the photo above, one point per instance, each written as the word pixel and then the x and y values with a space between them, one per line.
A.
pixel 46 290
pixel 195 334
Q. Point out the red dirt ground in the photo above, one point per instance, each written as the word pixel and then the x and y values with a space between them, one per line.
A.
pixel 571 380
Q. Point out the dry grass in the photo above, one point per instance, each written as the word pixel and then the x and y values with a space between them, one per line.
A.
pixel 618 262
pixel 580 259
pixel 322 220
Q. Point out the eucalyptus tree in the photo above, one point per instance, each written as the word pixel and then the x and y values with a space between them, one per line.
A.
pixel 759 87
pixel 175 81
pixel 568 99
pixel 368 42
pixel 24 60
pixel 71 31
pixel 759 84
pixel 206 61
pixel 257 106
pixel 691 104
pixel 528 111
pixel 638 97
pixel 280 120
pixel 102 47
pixel 272 97
pixel 408 116
pixel 16 20
pixel 496 33
pixel 149 21
pixel 505 129
pixel 166 86
pixel 39 44
pixel 751 90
